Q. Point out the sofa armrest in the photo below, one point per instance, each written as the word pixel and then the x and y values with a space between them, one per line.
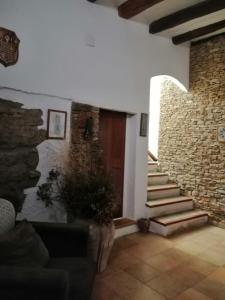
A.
pixel 64 240
pixel 33 284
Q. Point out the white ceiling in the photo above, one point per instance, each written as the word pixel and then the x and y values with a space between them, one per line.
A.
pixel 168 7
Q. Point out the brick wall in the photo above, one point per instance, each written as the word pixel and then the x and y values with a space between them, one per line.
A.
pixel 188 146
pixel 85 148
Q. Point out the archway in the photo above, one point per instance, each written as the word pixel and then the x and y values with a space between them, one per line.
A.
pixel 156 83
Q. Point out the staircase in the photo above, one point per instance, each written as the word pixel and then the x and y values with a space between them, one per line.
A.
pixel 170 212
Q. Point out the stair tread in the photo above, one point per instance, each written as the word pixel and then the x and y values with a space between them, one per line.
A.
pixel 179 217
pixel 166 201
pixel 153 188
pixel 153 163
pixel 152 174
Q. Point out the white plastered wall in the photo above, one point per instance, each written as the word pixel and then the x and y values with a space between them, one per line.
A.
pixel 82 51
pixel 52 154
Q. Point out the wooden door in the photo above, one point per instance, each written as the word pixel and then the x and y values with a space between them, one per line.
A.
pixel 112 136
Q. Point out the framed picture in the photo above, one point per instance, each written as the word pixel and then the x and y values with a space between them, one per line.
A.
pixel 56 126
pixel 221 133
pixel 144 124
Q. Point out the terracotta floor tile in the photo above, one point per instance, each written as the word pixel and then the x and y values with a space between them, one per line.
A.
pixel 102 292
pixel 204 240
pixel 216 230
pixel 122 260
pixel 142 252
pixel 142 272
pixel 192 294
pixel 213 256
pixel 130 288
pixel 179 255
pixel 145 251
pixel 218 248
pixel 168 260
pixel 201 266
pixel 211 288
pixel 124 243
pixel 218 275
pixel 163 262
pixel 149 238
pixel 186 276
pixel 150 267
pixel 184 236
pixel 167 286
pixel 191 247
pixel 108 272
pixel 146 293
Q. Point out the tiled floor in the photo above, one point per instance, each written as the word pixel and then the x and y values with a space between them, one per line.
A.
pixel 189 266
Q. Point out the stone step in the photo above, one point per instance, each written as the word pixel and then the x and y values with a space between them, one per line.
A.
pixel 124 226
pixel 173 223
pixel 157 178
pixel 166 206
pixel 163 191
pixel 153 166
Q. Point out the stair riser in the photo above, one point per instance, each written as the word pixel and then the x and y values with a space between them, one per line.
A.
pixel 178 227
pixel 125 231
pixel 153 168
pixel 169 209
pixel 157 180
pixel 163 193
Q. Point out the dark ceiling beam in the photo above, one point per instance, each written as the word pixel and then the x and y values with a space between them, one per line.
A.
pixel 190 35
pixel 131 8
pixel 187 14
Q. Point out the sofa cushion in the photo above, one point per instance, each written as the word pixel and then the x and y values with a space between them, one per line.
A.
pixel 81 275
pixel 7 216
pixel 22 246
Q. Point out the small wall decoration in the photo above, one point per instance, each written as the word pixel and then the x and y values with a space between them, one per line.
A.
pixel 56 124
pixel 9 47
pixel 88 130
pixel 221 133
pixel 144 124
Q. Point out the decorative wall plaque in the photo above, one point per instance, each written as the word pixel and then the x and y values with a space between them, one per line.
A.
pixel 144 124
pixel 56 127
pixel 9 47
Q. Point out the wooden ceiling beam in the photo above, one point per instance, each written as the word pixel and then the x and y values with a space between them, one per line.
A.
pixel 187 14
pixel 131 8
pixel 190 35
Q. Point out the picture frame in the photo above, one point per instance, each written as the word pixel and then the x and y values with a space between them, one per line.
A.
pixel 56 124
pixel 221 133
pixel 144 124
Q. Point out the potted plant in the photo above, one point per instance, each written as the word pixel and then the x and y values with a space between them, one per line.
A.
pixel 89 197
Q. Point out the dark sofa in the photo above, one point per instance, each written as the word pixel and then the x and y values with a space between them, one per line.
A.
pixel 69 274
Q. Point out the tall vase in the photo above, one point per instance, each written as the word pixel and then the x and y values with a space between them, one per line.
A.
pixel 102 240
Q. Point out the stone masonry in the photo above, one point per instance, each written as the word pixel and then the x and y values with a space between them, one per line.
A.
pixel 189 149
pixel 19 136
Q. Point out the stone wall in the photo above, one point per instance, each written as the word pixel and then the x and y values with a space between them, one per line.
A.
pixel 19 136
pixel 85 148
pixel 188 145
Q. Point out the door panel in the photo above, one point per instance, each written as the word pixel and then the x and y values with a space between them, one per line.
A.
pixel 112 136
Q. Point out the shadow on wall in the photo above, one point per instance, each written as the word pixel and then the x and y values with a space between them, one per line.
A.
pixel 156 84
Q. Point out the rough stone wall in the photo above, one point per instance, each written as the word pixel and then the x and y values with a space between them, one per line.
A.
pixel 85 148
pixel 188 145
pixel 19 136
